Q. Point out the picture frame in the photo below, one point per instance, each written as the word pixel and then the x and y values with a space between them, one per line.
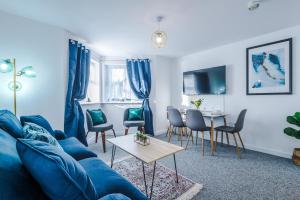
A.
pixel 269 68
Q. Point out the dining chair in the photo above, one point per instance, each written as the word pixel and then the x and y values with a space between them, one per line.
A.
pixel 236 129
pixel 196 122
pixel 176 121
pixel 102 128
pixel 170 126
pixel 140 124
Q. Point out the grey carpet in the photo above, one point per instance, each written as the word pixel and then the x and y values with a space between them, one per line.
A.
pixel 224 176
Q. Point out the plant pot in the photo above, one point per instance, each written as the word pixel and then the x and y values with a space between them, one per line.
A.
pixel 296 156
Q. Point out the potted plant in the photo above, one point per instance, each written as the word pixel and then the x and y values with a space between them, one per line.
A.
pixel 197 103
pixel 141 138
pixel 294 120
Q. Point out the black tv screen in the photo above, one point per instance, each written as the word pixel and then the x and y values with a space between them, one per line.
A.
pixel 205 81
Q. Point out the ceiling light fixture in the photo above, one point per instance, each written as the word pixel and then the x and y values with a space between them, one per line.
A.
pixel 159 37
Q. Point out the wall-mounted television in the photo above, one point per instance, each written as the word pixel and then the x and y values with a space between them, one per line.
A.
pixel 205 81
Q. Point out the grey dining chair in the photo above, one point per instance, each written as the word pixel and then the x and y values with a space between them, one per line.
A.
pixel 196 122
pixel 176 121
pixel 170 126
pixel 129 123
pixel 102 128
pixel 236 129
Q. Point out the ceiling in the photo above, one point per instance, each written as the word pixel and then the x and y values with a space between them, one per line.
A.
pixel 124 27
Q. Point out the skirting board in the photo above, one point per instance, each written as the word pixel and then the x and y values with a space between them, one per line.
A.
pixel 259 149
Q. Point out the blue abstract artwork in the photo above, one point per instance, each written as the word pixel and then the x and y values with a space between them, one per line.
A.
pixel 269 68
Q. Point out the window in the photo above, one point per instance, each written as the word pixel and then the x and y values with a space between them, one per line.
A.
pixel 93 91
pixel 115 85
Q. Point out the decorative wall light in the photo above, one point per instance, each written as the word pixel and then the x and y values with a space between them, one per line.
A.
pixel 159 37
pixel 9 65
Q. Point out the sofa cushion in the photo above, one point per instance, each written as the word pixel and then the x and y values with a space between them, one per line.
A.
pixel 115 197
pixel 59 175
pixel 37 119
pixel 41 121
pixel 10 123
pixel 36 132
pixel 107 181
pixel 135 114
pixel 76 149
pixel 59 135
pixel 15 181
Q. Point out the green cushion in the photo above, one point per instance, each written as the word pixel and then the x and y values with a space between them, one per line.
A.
pixel 36 132
pixel 97 116
pixel 135 114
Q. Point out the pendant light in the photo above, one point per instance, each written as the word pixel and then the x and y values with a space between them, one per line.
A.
pixel 159 37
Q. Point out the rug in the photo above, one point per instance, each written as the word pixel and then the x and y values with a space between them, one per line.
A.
pixel 165 186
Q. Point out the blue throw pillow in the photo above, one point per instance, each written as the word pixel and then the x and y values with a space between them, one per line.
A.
pixel 36 132
pixel 135 114
pixel 37 119
pixel 59 175
pixel 10 123
pixel 97 116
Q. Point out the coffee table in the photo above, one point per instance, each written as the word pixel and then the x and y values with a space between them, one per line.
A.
pixel 157 149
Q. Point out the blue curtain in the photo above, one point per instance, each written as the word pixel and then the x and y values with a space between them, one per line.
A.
pixel 79 66
pixel 139 76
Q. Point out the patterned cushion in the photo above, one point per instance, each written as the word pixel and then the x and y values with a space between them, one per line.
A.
pixel 135 114
pixel 97 117
pixel 36 132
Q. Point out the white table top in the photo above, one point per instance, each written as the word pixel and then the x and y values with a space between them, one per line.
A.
pixel 156 150
pixel 210 114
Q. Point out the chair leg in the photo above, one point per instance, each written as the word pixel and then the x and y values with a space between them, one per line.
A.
pixel 241 141
pixel 113 132
pixel 96 139
pixel 126 131
pixel 192 136
pixel 237 146
pixel 202 143
pixel 86 133
pixel 103 141
pixel 196 137
pixel 187 143
pixel 216 141
pixel 222 134
pixel 170 134
pixel 227 139
pixel 181 132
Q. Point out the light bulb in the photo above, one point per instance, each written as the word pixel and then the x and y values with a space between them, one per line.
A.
pixel 158 39
pixel 3 67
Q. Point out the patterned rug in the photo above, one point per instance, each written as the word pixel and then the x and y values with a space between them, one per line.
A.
pixel 165 186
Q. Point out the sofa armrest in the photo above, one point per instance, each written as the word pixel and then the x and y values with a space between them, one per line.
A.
pixel 115 196
pixel 59 135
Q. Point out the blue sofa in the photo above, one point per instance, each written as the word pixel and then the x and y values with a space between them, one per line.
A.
pixel 17 183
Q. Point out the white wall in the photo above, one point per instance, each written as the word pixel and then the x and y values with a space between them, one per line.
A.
pixel 45 48
pixel 159 98
pixel 266 116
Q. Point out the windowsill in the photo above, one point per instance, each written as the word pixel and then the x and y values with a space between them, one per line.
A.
pixel 89 103
pixel 122 103
pixel 112 103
